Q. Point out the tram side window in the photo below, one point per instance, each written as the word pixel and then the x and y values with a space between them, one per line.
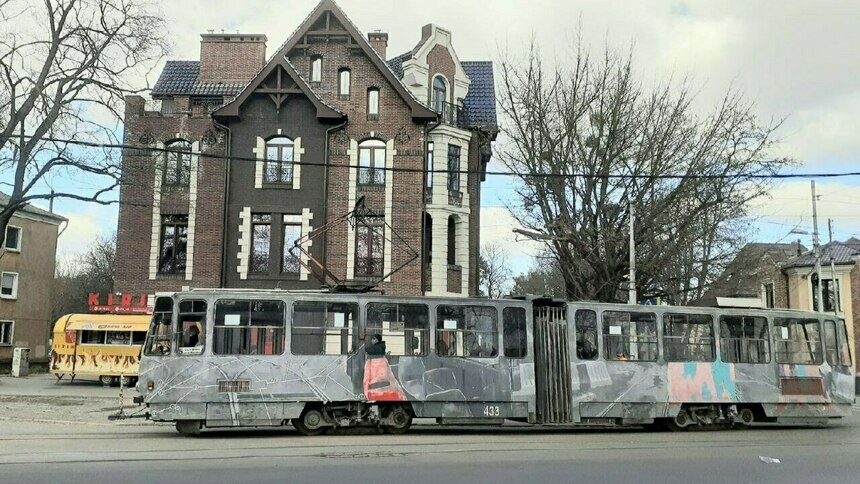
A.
pixel 192 327
pixel 798 341
pixel 836 350
pixel 160 335
pixel 514 335
pixel 688 337
pixel 248 327
pixel 404 327
pixel 138 338
pixel 744 339
pixel 470 331
pixel 322 328
pixel 844 347
pixel 629 336
pixel 585 321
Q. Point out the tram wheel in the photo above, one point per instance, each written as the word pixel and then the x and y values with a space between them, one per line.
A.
pixel 310 423
pixel 746 416
pixel 679 423
pixel 189 428
pixel 106 380
pixel 401 418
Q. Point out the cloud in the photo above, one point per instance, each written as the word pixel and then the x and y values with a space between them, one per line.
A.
pixel 86 223
pixel 497 225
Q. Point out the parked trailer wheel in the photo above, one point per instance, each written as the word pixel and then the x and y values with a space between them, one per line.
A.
pixel 189 428
pixel 310 423
pixel 106 380
pixel 401 419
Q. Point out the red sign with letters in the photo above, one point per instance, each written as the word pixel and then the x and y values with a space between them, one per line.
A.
pixel 119 303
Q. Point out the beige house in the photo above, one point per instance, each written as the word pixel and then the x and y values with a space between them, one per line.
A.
pixel 27 263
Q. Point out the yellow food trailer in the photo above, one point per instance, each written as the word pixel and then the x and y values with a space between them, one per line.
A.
pixel 106 346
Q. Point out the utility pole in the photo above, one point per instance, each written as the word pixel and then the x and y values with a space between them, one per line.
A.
pixel 834 286
pixel 816 247
pixel 631 298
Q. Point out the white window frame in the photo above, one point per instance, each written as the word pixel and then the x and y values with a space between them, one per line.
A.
pixel 6 239
pixel 344 88
pixel 14 294
pixel 373 95
pixel 11 332
pixel 825 275
pixel 316 68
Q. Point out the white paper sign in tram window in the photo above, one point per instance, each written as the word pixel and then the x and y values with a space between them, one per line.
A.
pixel 615 330
pixel 784 332
pixel 449 324
pixel 339 320
pixel 232 319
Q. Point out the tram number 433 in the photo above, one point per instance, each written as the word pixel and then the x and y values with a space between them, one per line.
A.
pixel 492 411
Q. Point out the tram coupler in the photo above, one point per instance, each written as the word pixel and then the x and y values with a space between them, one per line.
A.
pixel 138 399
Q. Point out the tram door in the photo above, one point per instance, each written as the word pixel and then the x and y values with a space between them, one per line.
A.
pixel 552 364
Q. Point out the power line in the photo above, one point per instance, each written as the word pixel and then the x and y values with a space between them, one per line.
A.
pixel 772 176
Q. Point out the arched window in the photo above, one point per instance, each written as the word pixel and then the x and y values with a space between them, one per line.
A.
pixel 452 240
pixel 371 162
pixel 343 84
pixel 279 160
pixel 316 69
pixel 440 92
pixel 177 163
pixel 373 104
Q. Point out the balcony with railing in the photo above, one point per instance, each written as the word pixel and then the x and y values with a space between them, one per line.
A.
pixel 451 114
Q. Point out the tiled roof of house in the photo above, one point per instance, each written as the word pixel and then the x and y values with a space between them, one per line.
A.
pixel 853 242
pixel 480 102
pixel 838 251
pixel 4 200
pixel 177 77
pixel 396 63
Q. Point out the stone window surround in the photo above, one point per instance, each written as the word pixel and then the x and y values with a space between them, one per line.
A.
pixel 260 153
pixel 244 254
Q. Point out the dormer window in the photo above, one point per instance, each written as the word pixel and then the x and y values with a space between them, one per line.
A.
pixel 316 69
pixel 343 84
pixel 440 93
pixel 372 104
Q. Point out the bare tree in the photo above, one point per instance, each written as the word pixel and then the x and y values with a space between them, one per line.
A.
pixel 81 274
pixel 589 141
pixel 65 68
pixel 542 279
pixel 494 270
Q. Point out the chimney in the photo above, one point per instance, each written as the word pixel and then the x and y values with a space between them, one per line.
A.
pixel 226 57
pixel 379 42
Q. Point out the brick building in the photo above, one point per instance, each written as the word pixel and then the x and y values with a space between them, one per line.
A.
pixel 241 155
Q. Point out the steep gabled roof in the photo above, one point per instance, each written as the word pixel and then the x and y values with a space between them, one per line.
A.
pixel 419 111
pixel 324 111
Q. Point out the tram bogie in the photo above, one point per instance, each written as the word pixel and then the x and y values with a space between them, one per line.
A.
pixel 234 358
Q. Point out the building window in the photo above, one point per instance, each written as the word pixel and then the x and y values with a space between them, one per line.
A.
pixel 428 237
pixel 440 92
pixel 372 104
pixel 13 238
pixel 429 176
pixel 744 339
pixel 405 328
pixel 829 292
pixel 6 328
pixel 769 301
pixel 279 160
pixel 174 242
pixel 798 341
pixel 261 238
pixel 453 168
pixel 371 161
pixel 9 285
pixel 514 339
pixel 452 240
pixel 369 247
pixel 688 337
pixel 585 322
pixel 322 328
pixel 344 84
pixel 248 328
pixel 177 164
pixel 292 232
pixel 470 331
pixel 629 336
pixel 316 69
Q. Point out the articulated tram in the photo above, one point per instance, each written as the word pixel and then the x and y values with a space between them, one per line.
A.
pixel 242 358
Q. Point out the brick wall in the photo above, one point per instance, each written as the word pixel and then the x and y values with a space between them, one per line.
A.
pixel 134 227
pixel 395 122
pixel 439 61
pixel 231 57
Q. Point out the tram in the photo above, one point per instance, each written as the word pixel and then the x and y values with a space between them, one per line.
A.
pixel 257 358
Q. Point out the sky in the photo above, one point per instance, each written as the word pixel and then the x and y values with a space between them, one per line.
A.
pixel 797 59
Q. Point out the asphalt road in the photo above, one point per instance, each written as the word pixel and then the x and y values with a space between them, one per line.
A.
pixel 80 445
